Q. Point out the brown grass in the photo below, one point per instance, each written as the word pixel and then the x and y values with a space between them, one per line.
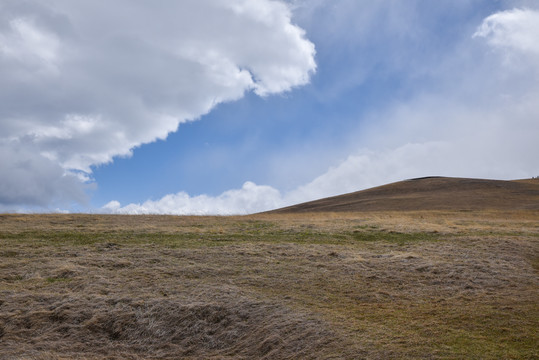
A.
pixel 432 193
pixel 436 285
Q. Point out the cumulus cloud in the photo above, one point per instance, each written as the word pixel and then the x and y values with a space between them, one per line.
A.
pixel 249 199
pixel 83 82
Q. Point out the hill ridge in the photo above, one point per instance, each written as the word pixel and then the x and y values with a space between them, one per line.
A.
pixel 431 193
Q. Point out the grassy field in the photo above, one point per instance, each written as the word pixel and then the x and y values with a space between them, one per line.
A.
pixel 403 285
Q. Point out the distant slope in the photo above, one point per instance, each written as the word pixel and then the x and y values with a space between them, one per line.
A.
pixel 431 193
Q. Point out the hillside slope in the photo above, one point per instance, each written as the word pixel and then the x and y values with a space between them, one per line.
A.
pixel 431 193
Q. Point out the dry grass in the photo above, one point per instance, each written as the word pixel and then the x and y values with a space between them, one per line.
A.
pixel 431 193
pixel 436 285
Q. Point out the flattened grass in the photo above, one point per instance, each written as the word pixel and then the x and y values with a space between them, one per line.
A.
pixel 439 285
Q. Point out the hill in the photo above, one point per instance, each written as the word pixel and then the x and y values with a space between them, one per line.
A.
pixel 431 193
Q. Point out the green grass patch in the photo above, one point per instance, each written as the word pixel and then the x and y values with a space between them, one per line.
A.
pixel 400 238
pixel 252 232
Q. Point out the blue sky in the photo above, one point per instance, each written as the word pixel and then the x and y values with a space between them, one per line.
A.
pixel 253 105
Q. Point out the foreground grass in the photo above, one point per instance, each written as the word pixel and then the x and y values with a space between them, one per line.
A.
pixel 379 285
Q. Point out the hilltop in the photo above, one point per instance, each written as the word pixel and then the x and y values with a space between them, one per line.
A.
pixel 431 193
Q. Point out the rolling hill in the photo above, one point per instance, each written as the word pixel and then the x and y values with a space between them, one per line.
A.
pixel 431 193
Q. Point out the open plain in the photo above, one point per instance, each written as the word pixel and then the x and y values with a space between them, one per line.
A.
pixel 347 285
pixel 427 284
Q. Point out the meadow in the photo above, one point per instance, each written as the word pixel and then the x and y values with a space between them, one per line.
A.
pixel 376 285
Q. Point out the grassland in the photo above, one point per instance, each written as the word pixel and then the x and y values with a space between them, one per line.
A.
pixel 405 285
pixel 431 193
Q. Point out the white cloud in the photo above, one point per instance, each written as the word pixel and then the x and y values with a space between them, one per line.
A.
pixel 249 199
pixel 26 43
pixel 370 168
pixel 30 179
pixel 82 82
pixel 516 29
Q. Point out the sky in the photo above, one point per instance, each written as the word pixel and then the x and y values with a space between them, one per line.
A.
pixel 239 106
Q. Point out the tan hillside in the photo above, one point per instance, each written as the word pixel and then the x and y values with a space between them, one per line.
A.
pixel 432 193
